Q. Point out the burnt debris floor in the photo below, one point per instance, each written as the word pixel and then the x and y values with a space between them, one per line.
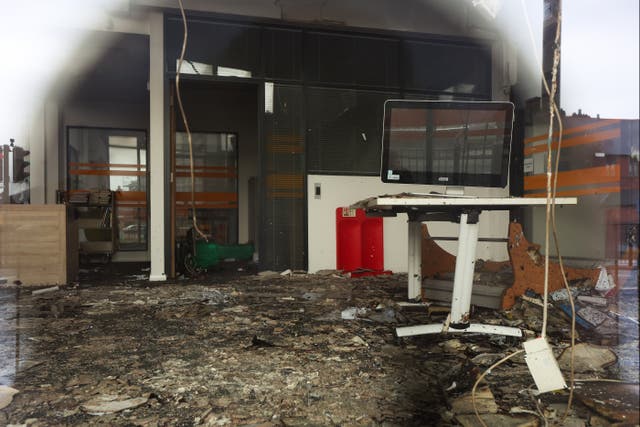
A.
pixel 273 350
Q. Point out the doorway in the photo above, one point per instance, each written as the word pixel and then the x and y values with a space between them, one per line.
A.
pixel 223 120
pixel 215 164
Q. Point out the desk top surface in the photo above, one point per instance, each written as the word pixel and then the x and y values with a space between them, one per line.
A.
pixel 435 200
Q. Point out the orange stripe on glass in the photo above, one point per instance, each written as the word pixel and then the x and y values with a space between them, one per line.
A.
pixel 577 140
pixel 106 172
pixel 589 126
pixel 579 192
pixel 579 177
pixel 285 181
pixel 185 196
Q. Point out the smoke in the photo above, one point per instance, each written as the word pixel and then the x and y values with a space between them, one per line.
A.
pixel 39 46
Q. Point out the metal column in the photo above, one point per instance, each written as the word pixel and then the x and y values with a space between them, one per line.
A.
pixel 415 260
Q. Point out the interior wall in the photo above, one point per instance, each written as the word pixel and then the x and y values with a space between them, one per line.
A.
pixel 338 191
pixel 230 108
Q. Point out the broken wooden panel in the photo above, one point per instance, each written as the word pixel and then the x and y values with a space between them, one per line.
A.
pixel 435 260
pixel 528 269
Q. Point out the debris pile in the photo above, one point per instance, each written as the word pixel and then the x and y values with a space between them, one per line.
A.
pixel 295 349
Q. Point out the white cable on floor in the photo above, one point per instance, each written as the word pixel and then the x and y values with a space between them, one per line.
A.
pixel 481 377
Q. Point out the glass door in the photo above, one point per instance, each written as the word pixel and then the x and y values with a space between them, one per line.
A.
pixel 101 159
pixel 215 159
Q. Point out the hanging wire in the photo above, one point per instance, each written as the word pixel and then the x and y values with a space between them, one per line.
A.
pixel 551 187
pixel 554 106
pixel 558 117
pixel 186 124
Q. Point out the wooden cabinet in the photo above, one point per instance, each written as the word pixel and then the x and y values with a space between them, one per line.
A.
pixel 34 242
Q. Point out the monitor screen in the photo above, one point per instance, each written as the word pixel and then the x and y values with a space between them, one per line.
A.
pixel 451 143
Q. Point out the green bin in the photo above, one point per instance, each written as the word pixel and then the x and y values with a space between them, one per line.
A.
pixel 209 254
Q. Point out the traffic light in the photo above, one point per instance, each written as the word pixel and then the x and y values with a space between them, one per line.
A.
pixel 20 164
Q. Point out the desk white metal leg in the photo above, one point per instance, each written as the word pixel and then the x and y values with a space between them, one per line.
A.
pixel 439 328
pixel 462 283
pixel 465 266
pixel 415 260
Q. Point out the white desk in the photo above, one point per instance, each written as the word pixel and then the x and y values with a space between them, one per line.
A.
pixel 466 211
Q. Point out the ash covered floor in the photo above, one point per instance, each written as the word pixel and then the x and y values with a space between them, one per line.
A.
pixel 272 350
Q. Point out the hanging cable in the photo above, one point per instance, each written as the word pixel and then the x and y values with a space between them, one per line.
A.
pixel 551 187
pixel 186 124
pixel 558 117
pixel 550 174
pixel 554 226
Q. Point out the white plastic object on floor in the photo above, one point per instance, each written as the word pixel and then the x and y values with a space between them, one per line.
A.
pixel 543 365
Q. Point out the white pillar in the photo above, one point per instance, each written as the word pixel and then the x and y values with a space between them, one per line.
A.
pixel 156 147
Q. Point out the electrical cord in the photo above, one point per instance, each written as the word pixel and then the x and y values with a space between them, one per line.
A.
pixel 186 124
pixel 554 107
pixel 481 377
pixel 550 216
pixel 550 190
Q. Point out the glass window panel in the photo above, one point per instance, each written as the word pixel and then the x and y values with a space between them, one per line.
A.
pixel 282 53
pixel 450 68
pixel 218 44
pixel 351 59
pixel 283 231
pixel 113 159
pixel 345 130
pixel 215 161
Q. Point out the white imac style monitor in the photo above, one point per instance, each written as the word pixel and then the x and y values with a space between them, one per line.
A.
pixel 450 143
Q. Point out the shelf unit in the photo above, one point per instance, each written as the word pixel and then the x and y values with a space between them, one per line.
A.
pixel 95 215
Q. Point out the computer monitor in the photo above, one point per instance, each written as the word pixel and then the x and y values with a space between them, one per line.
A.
pixel 450 143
